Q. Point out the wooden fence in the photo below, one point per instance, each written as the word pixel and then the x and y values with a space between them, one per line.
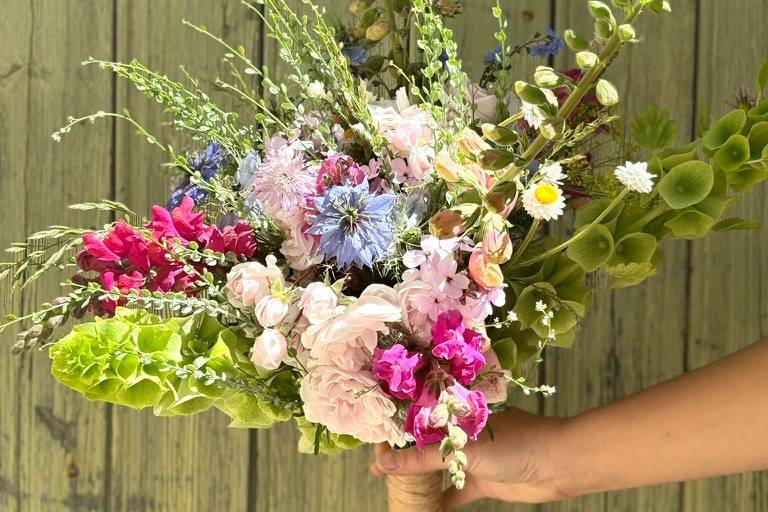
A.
pixel 61 453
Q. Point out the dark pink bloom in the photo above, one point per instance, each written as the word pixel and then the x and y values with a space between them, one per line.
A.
pixel 448 335
pixel 474 421
pixel 181 223
pixel 122 282
pixel 419 422
pixel 466 365
pixel 237 239
pixel 395 369
pixel 337 170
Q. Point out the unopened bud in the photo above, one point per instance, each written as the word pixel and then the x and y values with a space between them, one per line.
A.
pixel 377 31
pixel 447 168
pixel 626 32
pixel 606 93
pixel 497 246
pixel 471 144
pixel 586 60
pixel 447 224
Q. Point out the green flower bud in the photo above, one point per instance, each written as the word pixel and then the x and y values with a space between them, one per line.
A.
pixel 575 42
pixel 606 93
pixel 377 31
pixel 626 33
pixel 586 60
pixel 547 77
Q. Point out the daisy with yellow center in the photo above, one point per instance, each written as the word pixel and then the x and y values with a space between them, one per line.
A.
pixel 544 201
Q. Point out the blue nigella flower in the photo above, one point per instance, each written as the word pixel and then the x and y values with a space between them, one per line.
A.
pixel 548 48
pixel 490 57
pixel 357 55
pixel 354 226
pixel 207 163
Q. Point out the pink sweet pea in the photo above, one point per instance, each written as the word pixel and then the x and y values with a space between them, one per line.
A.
pixel 338 169
pixel 474 421
pixel 419 422
pixel 395 369
pixel 237 239
pixel 448 335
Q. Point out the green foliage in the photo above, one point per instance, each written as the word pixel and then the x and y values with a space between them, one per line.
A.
pixel 316 439
pixel 653 128
pixel 686 184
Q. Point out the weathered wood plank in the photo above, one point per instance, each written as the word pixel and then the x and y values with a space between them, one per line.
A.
pixel 14 90
pixel 729 271
pixel 164 464
pixel 62 444
pixel 633 338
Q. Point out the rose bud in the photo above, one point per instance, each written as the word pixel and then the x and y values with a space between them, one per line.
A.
pixel 447 224
pixel 484 273
pixel 377 31
pixel 497 246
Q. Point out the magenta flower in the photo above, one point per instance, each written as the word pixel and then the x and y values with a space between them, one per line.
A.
pixel 474 421
pixel 420 423
pixel 339 170
pixel 237 239
pixel 395 368
pixel 448 335
pixel 182 223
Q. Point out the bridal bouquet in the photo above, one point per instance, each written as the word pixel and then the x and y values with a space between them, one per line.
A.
pixel 364 248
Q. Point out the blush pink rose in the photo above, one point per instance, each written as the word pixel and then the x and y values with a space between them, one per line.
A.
pixel 269 349
pixel 350 403
pixel 318 302
pixel 270 311
pixel 248 283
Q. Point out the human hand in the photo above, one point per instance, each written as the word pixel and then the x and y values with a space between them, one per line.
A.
pixel 518 466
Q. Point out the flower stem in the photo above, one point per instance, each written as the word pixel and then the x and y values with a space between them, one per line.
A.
pixel 580 234
pixel 526 241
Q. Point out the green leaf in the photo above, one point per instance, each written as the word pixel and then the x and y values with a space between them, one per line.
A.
pixel 247 411
pixel 496 158
pixel 672 157
pixel 758 140
pixel 690 224
pixel 530 94
pixel 575 42
pixel 328 443
pixel 631 274
pixel 762 78
pixel 634 248
pixel 500 135
pixel 593 249
pixel 734 224
pixel 743 179
pixel 653 128
pixel 733 154
pixel 721 131
pixel 687 184
pixel 506 351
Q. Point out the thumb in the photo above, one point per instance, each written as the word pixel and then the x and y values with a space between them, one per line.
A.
pixel 410 461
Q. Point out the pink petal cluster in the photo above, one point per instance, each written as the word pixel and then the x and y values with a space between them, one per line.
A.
pixel 339 169
pixel 395 368
pixel 462 347
pixel 126 259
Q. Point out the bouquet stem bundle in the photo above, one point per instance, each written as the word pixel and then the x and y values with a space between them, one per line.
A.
pixel 420 492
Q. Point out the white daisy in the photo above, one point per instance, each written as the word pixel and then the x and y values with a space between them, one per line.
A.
pixel 533 115
pixel 635 176
pixel 552 173
pixel 543 201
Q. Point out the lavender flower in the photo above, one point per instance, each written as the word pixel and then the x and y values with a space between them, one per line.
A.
pixel 549 48
pixel 354 225
pixel 357 55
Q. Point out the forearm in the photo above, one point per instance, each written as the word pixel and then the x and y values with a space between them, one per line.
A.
pixel 713 421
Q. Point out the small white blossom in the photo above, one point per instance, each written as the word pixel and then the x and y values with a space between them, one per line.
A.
pixel 552 173
pixel 533 115
pixel 635 177
pixel 316 89
pixel 543 201
pixel 540 306
pixel 512 316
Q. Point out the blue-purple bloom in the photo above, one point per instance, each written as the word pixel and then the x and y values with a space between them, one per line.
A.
pixel 490 57
pixel 207 163
pixel 355 226
pixel 549 48
pixel 357 55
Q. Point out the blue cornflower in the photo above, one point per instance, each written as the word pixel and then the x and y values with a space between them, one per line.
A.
pixel 490 57
pixel 207 163
pixel 357 55
pixel 549 48
pixel 354 226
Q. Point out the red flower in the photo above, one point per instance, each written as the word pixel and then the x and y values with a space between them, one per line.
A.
pixel 237 239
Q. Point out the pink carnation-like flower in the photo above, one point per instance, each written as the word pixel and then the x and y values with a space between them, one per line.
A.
pixel 395 369
pixel 283 179
pixel 452 341
pixel 350 403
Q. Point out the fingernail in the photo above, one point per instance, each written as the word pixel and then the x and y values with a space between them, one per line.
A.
pixel 388 461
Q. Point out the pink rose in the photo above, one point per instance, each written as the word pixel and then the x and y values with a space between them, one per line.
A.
pixel 248 283
pixel 484 273
pixel 269 349
pixel 270 311
pixel 395 369
pixel 318 302
pixel 350 403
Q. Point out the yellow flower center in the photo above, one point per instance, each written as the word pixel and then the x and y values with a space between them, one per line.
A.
pixel 546 193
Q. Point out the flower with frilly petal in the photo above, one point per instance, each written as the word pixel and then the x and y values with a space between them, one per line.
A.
pixel 395 370
pixel 421 425
pixel 318 302
pixel 269 349
pixel 350 403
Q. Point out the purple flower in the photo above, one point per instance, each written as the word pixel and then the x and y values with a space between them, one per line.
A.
pixel 354 225
pixel 490 57
pixel 207 163
pixel 549 48
pixel 395 369
pixel 357 55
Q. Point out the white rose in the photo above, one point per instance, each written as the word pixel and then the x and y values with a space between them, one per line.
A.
pixel 248 283
pixel 270 311
pixel 269 349
pixel 318 302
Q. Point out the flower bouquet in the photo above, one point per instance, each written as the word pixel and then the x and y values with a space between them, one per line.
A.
pixel 362 249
